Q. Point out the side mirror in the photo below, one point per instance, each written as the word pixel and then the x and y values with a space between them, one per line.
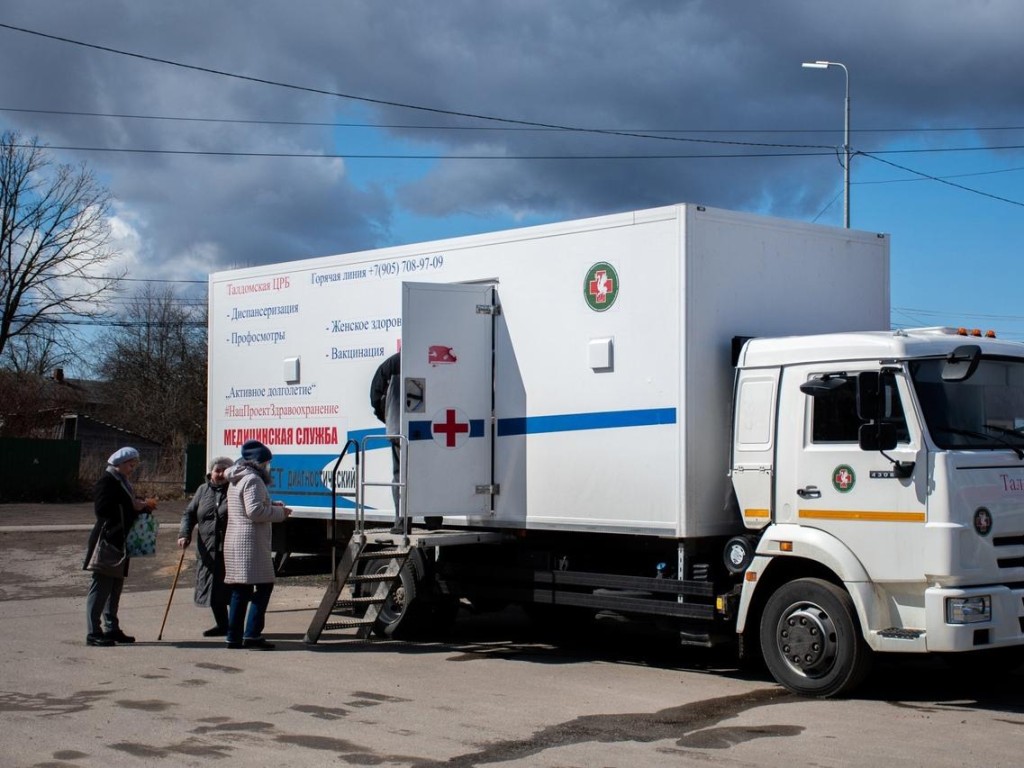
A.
pixel 878 436
pixel 869 396
pixel 961 363
pixel 823 385
pixel 875 395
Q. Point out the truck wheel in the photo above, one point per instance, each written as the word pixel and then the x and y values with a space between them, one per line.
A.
pixel 395 618
pixel 811 640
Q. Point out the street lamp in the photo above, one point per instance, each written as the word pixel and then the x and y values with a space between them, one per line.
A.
pixel 846 134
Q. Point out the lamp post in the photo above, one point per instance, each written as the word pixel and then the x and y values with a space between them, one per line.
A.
pixel 846 134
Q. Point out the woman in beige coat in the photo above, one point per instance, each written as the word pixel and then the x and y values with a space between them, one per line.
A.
pixel 248 561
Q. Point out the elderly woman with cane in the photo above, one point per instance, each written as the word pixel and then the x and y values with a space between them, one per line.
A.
pixel 248 562
pixel 207 515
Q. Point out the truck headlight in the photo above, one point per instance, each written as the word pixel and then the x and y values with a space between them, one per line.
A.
pixel 968 610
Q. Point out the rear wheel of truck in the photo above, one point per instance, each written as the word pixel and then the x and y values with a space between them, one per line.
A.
pixel 811 640
pixel 415 607
pixel 396 618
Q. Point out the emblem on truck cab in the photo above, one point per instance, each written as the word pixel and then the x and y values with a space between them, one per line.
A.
pixel 843 478
pixel 982 521
pixel 601 286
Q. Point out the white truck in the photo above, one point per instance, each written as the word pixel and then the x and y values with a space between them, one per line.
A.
pixel 683 413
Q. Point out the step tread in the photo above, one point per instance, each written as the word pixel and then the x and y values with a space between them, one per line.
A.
pixel 349 624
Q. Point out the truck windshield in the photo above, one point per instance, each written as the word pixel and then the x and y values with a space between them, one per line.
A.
pixel 984 411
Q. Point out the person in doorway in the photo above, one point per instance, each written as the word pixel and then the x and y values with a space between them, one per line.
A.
pixel 207 514
pixel 116 507
pixel 386 400
pixel 248 561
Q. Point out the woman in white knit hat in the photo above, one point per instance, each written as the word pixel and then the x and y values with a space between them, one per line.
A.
pixel 116 507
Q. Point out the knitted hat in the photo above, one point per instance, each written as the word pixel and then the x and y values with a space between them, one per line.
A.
pixel 254 450
pixel 121 455
pixel 221 461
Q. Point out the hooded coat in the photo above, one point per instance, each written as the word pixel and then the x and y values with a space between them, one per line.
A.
pixel 207 514
pixel 247 554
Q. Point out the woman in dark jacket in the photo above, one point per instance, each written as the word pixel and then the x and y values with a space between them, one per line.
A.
pixel 116 508
pixel 208 514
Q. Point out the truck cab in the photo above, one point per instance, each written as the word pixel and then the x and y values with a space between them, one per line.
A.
pixel 882 475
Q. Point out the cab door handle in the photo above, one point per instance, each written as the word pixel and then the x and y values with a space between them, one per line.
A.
pixel 810 492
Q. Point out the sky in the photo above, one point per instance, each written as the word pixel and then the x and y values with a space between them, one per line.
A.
pixel 234 134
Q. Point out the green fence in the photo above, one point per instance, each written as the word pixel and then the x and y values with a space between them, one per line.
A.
pixel 39 470
pixel 195 467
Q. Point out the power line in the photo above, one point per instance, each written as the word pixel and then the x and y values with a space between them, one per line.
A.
pixel 379 102
pixel 470 115
pixel 948 176
pixel 395 156
pixel 143 279
pixel 949 313
pixel 552 158
pixel 941 180
pixel 413 126
pixel 100 323
pixel 437 156
pixel 827 206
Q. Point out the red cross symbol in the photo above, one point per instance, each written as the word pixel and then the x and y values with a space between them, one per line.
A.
pixel 450 428
pixel 601 286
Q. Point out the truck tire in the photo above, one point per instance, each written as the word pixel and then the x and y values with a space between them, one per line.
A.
pixel 811 640
pixel 396 618
pixel 415 608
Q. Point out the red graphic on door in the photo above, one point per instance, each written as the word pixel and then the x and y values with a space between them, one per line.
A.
pixel 601 286
pixel 441 355
pixel 451 429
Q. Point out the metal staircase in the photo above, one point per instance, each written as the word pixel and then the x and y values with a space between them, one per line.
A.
pixel 384 583
pixel 378 565
pixel 363 546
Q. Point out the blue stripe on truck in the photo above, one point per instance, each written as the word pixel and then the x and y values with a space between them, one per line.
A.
pixel 299 478
pixel 573 422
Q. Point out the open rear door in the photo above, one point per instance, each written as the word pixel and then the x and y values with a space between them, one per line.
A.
pixel 447 375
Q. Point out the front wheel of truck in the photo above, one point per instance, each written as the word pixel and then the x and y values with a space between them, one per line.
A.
pixel 811 640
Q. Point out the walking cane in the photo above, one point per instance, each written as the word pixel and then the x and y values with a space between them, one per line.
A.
pixel 177 573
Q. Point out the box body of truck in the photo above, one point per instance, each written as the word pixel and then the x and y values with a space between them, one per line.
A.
pixel 594 395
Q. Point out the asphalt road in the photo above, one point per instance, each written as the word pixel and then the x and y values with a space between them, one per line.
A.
pixel 493 693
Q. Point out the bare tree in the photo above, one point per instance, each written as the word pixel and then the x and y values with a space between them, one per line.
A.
pixel 32 406
pixel 155 362
pixel 54 238
pixel 41 353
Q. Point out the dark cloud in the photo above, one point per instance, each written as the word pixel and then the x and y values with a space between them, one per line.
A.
pixel 732 67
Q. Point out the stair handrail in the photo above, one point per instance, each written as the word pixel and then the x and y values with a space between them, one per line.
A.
pixel 334 494
pixel 402 513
